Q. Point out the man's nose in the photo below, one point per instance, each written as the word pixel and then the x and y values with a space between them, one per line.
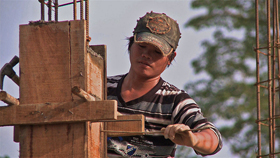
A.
pixel 146 53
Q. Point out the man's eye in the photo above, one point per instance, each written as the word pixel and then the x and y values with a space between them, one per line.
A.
pixel 142 46
pixel 158 52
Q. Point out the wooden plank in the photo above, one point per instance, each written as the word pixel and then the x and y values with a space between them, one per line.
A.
pixel 102 51
pixel 45 63
pixel 58 112
pixel 96 85
pixel 78 55
pixel 63 46
pixel 127 123
pixel 55 141
pixel 7 98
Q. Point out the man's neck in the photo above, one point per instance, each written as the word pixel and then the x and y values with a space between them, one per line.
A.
pixel 134 86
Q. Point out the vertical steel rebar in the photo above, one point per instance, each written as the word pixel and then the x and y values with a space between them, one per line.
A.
pixel 75 10
pixel 42 10
pixel 274 76
pixel 258 75
pixel 56 10
pixel 50 10
pixel 87 20
pixel 269 81
pixel 81 9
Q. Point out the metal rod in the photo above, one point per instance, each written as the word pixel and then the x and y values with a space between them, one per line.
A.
pixel 50 10
pixel 269 78
pixel 42 10
pixel 87 20
pixel 258 74
pixel 82 10
pixel 120 120
pixel 151 132
pixel 56 10
pixel 61 5
pixel 75 10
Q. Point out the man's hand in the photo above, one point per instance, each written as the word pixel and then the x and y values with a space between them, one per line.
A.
pixel 204 141
pixel 180 134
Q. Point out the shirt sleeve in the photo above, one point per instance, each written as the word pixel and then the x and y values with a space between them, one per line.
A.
pixel 186 111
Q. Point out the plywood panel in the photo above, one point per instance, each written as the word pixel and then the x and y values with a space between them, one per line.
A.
pixel 56 141
pixel 45 63
pixel 101 50
pixel 78 55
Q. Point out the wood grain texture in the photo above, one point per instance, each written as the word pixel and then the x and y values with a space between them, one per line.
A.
pixel 45 63
pixel 133 123
pixel 58 113
pixel 53 60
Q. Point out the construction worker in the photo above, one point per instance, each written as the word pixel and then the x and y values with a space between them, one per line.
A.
pixel 165 107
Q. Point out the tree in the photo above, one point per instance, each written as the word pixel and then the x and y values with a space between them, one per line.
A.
pixel 228 92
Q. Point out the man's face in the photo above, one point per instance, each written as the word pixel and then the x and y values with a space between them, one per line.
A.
pixel 147 60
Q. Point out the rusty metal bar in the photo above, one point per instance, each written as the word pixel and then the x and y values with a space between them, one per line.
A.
pixel 87 21
pixel 269 78
pixel 82 10
pixel 75 10
pixel 42 10
pixel 50 10
pixel 56 10
pixel 258 75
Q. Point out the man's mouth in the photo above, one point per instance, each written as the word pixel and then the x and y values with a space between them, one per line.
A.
pixel 145 63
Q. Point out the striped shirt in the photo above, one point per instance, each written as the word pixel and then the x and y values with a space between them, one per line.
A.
pixel 163 105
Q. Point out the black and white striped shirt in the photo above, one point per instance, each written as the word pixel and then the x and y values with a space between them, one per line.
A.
pixel 164 104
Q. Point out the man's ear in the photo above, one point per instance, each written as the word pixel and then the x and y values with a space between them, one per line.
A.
pixel 175 53
pixel 171 57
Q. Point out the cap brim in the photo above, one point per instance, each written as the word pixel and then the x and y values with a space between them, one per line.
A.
pixel 151 38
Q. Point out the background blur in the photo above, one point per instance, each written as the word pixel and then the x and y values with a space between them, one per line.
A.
pixel 111 22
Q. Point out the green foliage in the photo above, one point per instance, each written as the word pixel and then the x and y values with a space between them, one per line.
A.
pixel 5 156
pixel 227 95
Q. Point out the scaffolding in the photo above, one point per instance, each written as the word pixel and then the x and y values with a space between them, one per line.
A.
pixel 268 88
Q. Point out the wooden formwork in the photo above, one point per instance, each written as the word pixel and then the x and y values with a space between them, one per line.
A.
pixel 51 121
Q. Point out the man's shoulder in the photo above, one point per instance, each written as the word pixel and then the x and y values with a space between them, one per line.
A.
pixel 115 78
pixel 167 89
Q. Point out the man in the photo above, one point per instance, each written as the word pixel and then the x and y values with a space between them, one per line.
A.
pixel 165 107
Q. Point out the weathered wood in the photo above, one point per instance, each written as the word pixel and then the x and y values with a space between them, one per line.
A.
pixel 131 124
pixel 58 113
pixel 78 57
pixel 101 50
pixel 96 85
pixel 45 63
pixel 8 99
pixel 55 141
pixel 84 95
pixel 54 59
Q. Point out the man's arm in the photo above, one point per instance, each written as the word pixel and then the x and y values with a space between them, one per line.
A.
pixel 204 141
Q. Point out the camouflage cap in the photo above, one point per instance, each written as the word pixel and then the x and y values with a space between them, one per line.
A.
pixel 159 30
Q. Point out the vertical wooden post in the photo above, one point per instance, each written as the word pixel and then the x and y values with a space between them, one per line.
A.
pixel 53 59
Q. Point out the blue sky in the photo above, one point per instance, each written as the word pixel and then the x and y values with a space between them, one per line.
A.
pixel 111 22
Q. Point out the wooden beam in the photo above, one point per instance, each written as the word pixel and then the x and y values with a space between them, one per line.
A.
pixel 126 123
pixel 50 113
pixel 7 98
pixel 83 94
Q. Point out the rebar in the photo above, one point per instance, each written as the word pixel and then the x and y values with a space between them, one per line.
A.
pixel 42 10
pixel 272 82
pixel 75 10
pixel 56 10
pixel 56 6
pixel 82 9
pixel 50 10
